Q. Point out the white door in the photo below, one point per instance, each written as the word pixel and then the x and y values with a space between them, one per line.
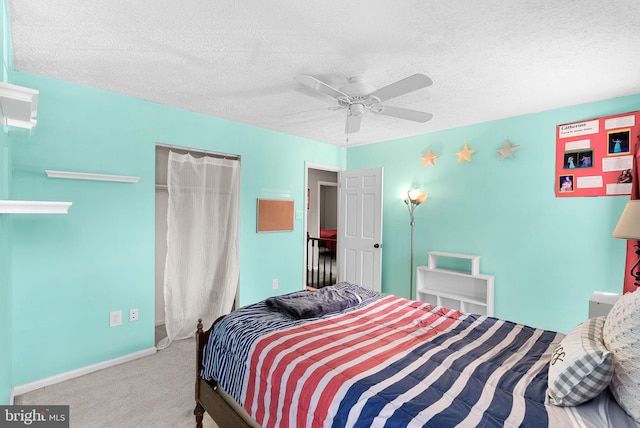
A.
pixel 360 228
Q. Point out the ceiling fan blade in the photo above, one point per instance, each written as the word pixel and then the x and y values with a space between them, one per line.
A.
pixel 404 113
pixel 320 86
pixel 401 87
pixel 353 124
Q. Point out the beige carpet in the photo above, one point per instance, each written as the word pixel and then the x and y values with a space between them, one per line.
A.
pixel 154 391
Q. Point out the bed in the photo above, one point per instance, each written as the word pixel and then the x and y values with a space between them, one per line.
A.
pixel 328 239
pixel 382 360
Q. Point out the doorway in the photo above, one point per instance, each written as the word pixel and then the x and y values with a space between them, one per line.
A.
pixel 321 226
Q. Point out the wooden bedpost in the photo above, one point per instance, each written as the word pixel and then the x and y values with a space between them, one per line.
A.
pixel 199 410
pixel 208 398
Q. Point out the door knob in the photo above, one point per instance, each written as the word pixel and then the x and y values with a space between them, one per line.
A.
pixel 376 245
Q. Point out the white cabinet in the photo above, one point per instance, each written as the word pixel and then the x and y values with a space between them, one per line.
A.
pixel 467 291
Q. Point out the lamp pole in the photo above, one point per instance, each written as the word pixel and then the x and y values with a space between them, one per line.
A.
pixel 414 198
pixel 413 223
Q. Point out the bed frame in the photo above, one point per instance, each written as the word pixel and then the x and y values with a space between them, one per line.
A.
pixel 209 397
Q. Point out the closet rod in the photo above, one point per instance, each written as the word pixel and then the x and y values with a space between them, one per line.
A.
pixel 200 151
pixel 164 187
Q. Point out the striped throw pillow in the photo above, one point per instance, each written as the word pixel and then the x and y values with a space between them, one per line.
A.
pixel 581 367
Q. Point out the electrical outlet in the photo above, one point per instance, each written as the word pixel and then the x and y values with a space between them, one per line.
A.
pixel 274 283
pixel 115 318
pixel 133 314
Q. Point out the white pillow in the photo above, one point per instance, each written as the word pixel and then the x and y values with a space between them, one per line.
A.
pixel 622 337
pixel 581 366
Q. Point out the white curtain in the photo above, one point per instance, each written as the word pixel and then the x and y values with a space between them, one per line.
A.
pixel 202 267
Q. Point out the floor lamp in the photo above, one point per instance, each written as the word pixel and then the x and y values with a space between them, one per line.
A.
pixel 413 198
pixel 628 227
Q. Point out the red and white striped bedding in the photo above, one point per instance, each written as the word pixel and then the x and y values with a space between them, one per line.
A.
pixel 389 362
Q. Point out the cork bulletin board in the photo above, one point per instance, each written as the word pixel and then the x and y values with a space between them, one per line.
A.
pixel 275 215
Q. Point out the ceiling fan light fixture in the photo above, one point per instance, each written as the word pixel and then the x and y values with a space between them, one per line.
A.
pixel 356 109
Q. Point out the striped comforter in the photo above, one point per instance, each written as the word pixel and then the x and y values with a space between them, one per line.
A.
pixel 387 362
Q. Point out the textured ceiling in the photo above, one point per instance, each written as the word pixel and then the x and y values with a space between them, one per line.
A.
pixel 237 59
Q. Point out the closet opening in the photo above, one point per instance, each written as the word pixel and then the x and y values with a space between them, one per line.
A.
pixel 177 168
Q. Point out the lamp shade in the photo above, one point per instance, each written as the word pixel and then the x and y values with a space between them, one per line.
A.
pixel 628 226
pixel 415 196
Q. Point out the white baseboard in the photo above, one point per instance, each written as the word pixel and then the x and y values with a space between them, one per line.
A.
pixel 52 380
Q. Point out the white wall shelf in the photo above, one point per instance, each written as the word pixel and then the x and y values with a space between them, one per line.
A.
pixel 467 291
pixel 33 207
pixel 19 105
pixel 90 176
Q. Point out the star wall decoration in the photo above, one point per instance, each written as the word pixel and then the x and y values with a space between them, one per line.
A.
pixel 507 150
pixel 465 154
pixel 429 158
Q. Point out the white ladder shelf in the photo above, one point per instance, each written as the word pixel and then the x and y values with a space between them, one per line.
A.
pixel 467 291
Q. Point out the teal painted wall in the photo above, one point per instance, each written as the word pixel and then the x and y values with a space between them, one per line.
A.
pixel 547 254
pixel 69 271
pixel 5 243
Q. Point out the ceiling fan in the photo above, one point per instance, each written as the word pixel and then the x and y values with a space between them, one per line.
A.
pixel 358 95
